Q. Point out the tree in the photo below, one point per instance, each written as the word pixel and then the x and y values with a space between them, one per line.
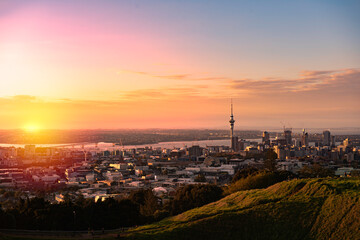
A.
pixel 138 196
pixel 315 171
pixel 270 160
pixel 194 195
pixel 151 204
pixel 200 178
pixel 243 173
pixel 355 173
pixel 147 202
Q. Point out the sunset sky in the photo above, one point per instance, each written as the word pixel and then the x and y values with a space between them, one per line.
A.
pixel 176 64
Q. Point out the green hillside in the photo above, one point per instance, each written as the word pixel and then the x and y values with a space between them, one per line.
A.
pixel 297 209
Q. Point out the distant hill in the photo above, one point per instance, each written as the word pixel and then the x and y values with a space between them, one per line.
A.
pixel 125 136
pixel 297 209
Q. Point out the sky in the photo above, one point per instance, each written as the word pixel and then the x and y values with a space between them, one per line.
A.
pixel 177 64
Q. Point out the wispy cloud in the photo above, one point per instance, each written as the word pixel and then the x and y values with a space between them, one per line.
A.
pixel 224 87
pixel 25 98
pixel 164 93
pixel 307 73
pixel 308 81
pixel 178 76
pixel 335 81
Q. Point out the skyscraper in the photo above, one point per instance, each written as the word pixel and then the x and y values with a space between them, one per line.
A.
pixel 305 138
pixel 327 138
pixel 288 138
pixel 266 138
pixel 333 141
pixel 232 137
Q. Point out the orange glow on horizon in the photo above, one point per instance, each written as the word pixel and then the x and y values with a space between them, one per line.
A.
pixel 32 128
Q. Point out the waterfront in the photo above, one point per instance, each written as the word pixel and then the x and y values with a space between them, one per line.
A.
pixel 168 145
pixel 108 146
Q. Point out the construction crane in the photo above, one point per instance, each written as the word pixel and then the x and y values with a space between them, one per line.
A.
pixel 284 126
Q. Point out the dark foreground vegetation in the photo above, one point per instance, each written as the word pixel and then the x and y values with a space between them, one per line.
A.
pixel 317 208
pixel 141 207
pixel 253 206
pixel 83 214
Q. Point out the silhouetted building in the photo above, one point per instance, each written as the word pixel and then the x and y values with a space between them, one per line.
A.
pixel 326 138
pixel 279 141
pixel 266 138
pixel 235 144
pixel 241 144
pixel 333 142
pixel 288 138
pixel 305 138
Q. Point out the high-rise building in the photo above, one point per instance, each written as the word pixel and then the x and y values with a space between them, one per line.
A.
pixel 235 144
pixel 327 138
pixel 232 138
pixel 333 141
pixel 288 138
pixel 266 138
pixel 305 138
pixel 241 144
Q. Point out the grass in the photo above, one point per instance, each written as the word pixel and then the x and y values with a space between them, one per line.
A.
pixel 298 209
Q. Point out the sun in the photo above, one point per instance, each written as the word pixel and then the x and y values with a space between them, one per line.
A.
pixel 31 128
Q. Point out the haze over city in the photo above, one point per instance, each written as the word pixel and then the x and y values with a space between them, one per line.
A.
pixel 177 64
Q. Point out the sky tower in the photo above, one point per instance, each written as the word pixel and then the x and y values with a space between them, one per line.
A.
pixel 233 139
pixel 232 121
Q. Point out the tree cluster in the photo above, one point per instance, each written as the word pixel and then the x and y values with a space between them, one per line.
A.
pixel 140 207
pixel 315 171
pixel 247 179
pixel 193 196
pixel 81 214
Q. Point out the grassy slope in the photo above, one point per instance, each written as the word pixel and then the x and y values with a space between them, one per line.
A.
pixel 299 209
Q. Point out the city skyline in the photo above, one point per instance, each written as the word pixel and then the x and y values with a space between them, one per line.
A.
pixel 136 64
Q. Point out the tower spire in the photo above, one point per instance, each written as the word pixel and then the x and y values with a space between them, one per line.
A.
pixel 232 121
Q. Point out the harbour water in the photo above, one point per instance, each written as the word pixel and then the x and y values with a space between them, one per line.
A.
pixel 168 145
pixel 108 146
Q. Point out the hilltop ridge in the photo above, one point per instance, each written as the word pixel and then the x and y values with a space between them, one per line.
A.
pixel 297 209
